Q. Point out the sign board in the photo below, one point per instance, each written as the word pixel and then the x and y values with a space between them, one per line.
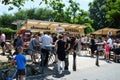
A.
pixel 59 29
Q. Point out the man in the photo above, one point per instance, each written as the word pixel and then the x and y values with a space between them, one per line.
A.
pixel 2 41
pixel 32 47
pixel 45 40
pixel 18 42
pixel 110 41
pixel 73 45
pixel 67 48
pixel 54 38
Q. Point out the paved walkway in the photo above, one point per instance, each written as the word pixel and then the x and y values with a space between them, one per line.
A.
pixel 83 61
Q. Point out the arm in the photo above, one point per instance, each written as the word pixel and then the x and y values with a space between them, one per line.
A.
pixel 56 45
pixel 76 42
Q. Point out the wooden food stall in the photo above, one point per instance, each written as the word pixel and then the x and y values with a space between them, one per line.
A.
pixel 41 26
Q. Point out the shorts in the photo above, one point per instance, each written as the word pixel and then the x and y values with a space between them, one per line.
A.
pixel 2 44
pixel 107 52
pixel 21 72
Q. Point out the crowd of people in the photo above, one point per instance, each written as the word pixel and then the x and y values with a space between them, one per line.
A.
pixel 64 44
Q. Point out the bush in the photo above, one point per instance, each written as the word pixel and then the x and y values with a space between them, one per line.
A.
pixel 8 30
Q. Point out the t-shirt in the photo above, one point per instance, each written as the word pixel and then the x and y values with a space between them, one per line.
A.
pixel 110 42
pixel 2 37
pixel 21 61
pixel 46 40
pixel 61 50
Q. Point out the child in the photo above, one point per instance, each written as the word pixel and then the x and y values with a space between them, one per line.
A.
pixel 107 51
pixel 20 60
pixel 60 46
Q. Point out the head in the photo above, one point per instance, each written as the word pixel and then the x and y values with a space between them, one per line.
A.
pixel 53 34
pixel 107 43
pixel 20 49
pixel 60 37
pixel 1 32
pixel 47 32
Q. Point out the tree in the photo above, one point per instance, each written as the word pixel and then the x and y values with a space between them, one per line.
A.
pixel 30 13
pixel 113 14
pixel 6 20
pixel 21 15
pixel 74 8
pixel 97 13
pixel 16 3
pixel 58 11
pixel 43 14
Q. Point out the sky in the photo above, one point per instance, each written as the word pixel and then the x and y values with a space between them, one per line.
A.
pixel 35 4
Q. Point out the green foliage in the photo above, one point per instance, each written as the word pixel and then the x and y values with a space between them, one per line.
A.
pixel 8 30
pixel 57 7
pixel 43 14
pixel 73 8
pixel 98 12
pixel 113 14
pixel 89 28
pixel 16 3
pixel 21 15
pixel 105 13
pixel 6 20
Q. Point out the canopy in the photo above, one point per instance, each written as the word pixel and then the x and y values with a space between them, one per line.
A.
pixel 106 31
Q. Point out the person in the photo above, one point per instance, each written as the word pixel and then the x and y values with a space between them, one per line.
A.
pixel 32 47
pixel 60 47
pixel 74 43
pixel 54 38
pixel 110 41
pixel 20 61
pixel 67 49
pixel 107 51
pixel 82 42
pixel 2 41
pixel 45 40
pixel 78 49
pixel 19 42
pixel 92 45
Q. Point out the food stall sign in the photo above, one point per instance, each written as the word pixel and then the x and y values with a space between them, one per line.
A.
pixel 59 29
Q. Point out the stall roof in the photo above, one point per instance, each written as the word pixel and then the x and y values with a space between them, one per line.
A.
pixel 47 23
pixel 28 24
pixel 105 31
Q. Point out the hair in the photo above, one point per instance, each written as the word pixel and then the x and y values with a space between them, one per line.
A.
pixel 107 42
pixel 60 36
pixel 20 48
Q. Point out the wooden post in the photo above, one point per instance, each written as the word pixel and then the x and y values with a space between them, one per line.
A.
pixel 74 61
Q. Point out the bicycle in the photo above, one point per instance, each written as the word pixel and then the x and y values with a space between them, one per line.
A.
pixel 9 74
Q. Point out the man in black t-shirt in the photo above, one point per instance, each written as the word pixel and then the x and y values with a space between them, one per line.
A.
pixel 73 48
pixel 67 48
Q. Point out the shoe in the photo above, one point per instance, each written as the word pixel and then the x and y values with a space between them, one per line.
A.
pixel 3 54
pixel 66 68
pixel 63 72
pixel 54 62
